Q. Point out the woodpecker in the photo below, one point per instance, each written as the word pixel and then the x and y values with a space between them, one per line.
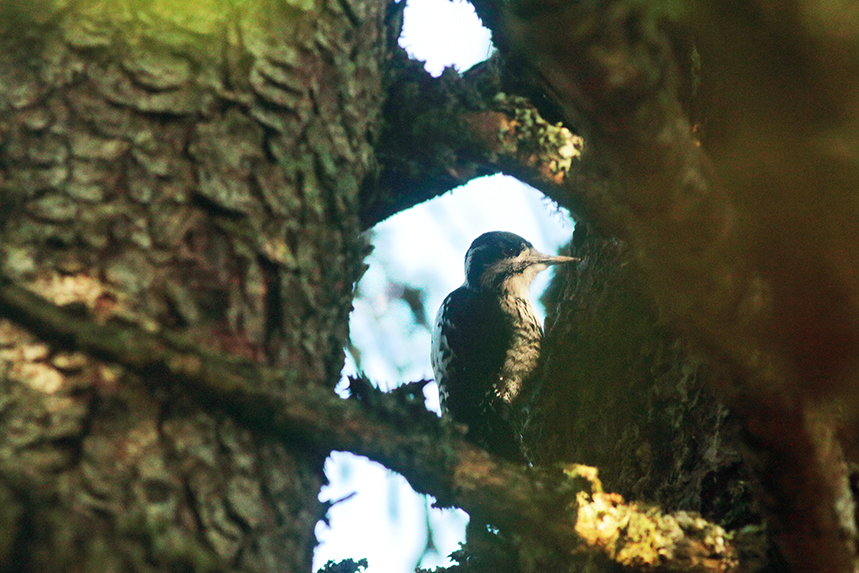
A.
pixel 486 341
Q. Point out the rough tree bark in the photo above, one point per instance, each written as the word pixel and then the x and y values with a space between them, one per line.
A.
pixel 205 170
pixel 192 166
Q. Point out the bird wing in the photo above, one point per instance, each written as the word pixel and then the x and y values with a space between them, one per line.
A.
pixel 468 358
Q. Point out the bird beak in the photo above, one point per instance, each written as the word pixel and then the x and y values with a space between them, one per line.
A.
pixel 542 259
pixel 556 260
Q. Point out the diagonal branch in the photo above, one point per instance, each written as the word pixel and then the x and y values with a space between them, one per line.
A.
pixel 563 508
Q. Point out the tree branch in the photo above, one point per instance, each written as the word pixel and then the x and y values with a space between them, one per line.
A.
pixel 564 509
pixel 439 133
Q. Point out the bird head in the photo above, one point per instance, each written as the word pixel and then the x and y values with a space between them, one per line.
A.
pixel 505 262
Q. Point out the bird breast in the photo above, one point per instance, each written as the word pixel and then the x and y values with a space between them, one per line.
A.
pixel 523 354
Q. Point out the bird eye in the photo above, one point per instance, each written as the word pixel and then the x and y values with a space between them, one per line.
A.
pixel 510 251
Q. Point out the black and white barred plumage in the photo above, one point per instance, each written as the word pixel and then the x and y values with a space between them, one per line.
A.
pixel 486 341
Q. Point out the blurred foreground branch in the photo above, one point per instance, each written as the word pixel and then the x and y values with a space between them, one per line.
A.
pixel 745 236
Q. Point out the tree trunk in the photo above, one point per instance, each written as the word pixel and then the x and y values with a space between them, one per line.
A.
pixel 622 393
pixel 193 168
